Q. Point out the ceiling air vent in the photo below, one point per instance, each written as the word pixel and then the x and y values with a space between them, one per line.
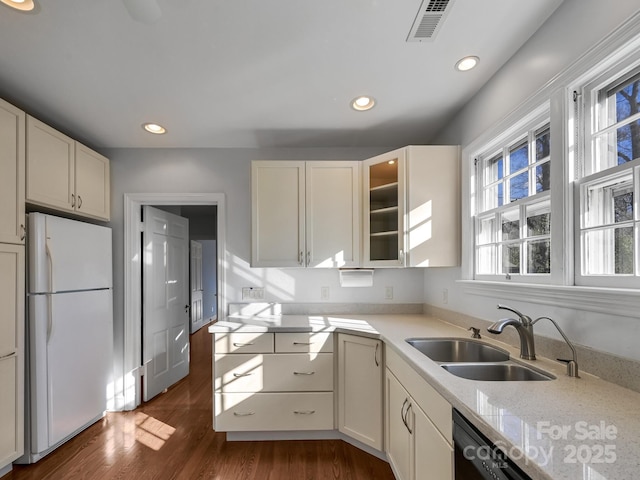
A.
pixel 429 20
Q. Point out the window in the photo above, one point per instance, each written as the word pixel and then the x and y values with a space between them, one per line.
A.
pixel 608 230
pixel 513 222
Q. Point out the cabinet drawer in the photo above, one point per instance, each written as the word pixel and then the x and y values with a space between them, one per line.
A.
pixel 246 412
pixel 298 372
pixel 301 342
pixel 243 343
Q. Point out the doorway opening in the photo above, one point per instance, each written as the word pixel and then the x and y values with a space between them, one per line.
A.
pixel 133 203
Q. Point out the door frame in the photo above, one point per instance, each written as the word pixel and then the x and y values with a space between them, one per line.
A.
pixel 132 364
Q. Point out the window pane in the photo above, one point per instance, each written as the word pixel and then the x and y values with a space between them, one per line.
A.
pixel 609 251
pixel 486 228
pixel 519 187
pixel 494 170
pixel 539 256
pixel 543 177
pixel 494 197
pixel 609 200
pixel 486 260
pixel 511 258
pixel 627 99
pixel 623 207
pixel 628 142
pixel 538 223
pixel 510 225
pixel 542 144
pixel 518 158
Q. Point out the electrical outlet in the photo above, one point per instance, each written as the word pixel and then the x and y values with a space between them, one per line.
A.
pixel 445 296
pixel 324 293
pixel 388 293
pixel 253 293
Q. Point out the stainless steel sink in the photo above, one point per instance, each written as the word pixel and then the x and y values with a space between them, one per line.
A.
pixel 452 350
pixel 496 372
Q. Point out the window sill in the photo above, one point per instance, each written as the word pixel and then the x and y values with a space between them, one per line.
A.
pixel 624 302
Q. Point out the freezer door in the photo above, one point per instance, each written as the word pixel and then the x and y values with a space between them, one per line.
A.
pixel 71 362
pixel 67 255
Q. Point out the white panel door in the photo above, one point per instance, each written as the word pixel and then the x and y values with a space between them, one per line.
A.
pixel 12 126
pixel 195 274
pixel 78 371
pixel 333 214
pixel 165 320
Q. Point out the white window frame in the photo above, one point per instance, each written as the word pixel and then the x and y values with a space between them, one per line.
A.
pixel 589 115
pixel 522 134
pixel 566 155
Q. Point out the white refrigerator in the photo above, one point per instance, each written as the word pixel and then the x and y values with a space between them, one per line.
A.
pixel 70 330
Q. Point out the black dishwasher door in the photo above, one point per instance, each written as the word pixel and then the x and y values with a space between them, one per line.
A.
pixel 476 458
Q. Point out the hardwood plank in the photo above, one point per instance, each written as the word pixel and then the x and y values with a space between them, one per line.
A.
pixel 171 437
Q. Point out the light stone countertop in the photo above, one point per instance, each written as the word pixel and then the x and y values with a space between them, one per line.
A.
pixel 567 428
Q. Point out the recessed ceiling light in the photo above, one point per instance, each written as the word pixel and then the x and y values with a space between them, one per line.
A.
pixel 363 103
pixel 24 5
pixel 467 63
pixel 154 128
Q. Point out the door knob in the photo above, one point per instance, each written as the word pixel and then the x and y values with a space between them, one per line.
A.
pixel 186 308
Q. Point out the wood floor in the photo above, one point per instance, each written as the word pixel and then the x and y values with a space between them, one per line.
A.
pixel 171 437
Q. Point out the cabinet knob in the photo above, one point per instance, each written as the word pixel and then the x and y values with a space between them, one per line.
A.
pixel 304 412
pixel 23 232
pixel 375 355
pixel 79 202
pixel 301 258
pixel 73 200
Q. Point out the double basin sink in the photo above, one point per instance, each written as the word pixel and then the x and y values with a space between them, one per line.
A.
pixel 475 360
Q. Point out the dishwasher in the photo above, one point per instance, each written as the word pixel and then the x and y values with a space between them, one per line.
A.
pixel 476 458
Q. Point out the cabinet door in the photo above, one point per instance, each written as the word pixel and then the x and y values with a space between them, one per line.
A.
pixel 50 167
pixel 12 221
pixel 383 189
pixel 360 389
pixel 433 455
pixel 277 214
pixel 332 214
pixel 11 353
pixel 433 206
pixel 92 183
pixel 398 437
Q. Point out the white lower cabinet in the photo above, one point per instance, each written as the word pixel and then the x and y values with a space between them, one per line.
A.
pixel 419 442
pixel 273 381
pixel 360 393
pixel 11 353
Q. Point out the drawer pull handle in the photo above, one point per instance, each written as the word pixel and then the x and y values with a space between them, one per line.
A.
pixel 243 344
pixel 304 373
pixel 243 414
pixel 304 412
pixel 303 343
pixel 238 375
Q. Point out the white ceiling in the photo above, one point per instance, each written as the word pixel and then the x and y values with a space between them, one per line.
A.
pixel 249 73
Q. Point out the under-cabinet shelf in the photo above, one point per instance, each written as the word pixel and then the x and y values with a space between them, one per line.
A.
pixel 384 234
pixel 384 210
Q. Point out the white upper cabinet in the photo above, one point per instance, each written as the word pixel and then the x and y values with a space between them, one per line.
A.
pixel 305 214
pixel 12 220
pixel 412 208
pixel 93 185
pixel 65 175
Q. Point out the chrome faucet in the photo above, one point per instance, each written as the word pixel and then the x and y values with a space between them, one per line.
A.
pixel 572 365
pixel 524 327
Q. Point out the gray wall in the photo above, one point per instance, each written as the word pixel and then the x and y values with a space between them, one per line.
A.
pixel 228 171
pixel 575 28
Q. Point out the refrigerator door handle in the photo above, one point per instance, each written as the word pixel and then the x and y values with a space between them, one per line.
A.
pixel 49 316
pixel 50 257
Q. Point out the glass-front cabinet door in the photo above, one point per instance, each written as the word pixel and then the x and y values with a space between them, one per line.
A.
pixel 384 200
